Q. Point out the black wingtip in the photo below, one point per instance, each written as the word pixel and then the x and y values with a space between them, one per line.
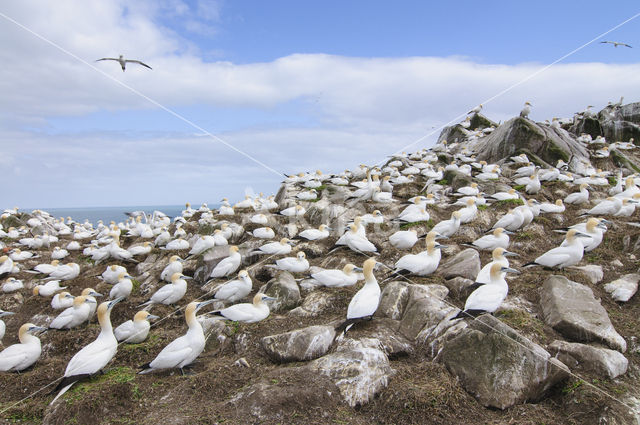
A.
pixel 69 380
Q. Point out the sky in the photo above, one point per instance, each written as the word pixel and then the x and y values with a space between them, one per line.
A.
pixel 244 90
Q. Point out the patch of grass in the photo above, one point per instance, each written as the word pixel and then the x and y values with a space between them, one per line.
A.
pixel 443 182
pixel 524 235
pixel 509 202
pixel 556 152
pixel 120 375
pixel 321 188
pixel 612 181
pixel 136 286
pixel 519 186
pixel 206 229
pixel 429 223
pixel 22 417
pixel 572 386
pixel 151 342
pixel 87 260
pixel 482 207
pixel 520 319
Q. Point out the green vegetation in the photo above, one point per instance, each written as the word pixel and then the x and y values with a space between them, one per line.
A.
pixel 556 152
pixel 118 375
pixel 149 345
pixel 519 186
pixel 523 235
pixel 509 202
pixel 482 207
pixel 206 229
pixel 612 181
pixel 572 386
pixel 136 286
pixel 429 224
pixel 521 320
pixel 443 182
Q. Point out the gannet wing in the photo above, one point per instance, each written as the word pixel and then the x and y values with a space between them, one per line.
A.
pixel 12 356
pixel 172 355
pixel 108 59
pixel 138 62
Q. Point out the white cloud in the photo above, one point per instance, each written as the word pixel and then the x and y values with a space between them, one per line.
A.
pixel 360 108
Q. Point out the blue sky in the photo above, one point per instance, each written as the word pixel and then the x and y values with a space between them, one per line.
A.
pixel 298 85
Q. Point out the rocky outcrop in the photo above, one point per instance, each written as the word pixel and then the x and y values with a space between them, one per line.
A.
pixel 620 123
pixel 285 290
pixel 498 366
pixel 300 344
pixel 465 264
pixel 393 300
pixel 571 309
pixel 359 368
pixel 425 309
pixel 623 288
pixel 605 362
pixel 521 135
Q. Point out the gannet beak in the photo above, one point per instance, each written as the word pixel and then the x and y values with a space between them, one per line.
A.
pixel 95 294
pixel 268 298
pixel 186 277
pixel 605 221
pixel 509 270
pixel 291 243
pixel 581 235
pixel 601 226
pixel 510 254
pixel 116 301
pixel 128 277
pixel 6 313
pixel 508 232
pixel 357 269
pixel 69 296
pixel 37 329
pixel 152 317
pixel 204 303
pixel 440 246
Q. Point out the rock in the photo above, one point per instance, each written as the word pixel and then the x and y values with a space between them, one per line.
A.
pixel 425 309
pixel 359 369
pixel 286 393
pixel 605 362
pixel 209 261
pixel 465 264
pixel 520 135
pixel 617 263
pixel 386 332
pixel 498 366
pixel 593 272
pixel 458 285
pixel 620 123
pixel 571 309
pixel 300 344
pixel 314 304
pixel 285 291
pixel 623 288
pixel 393 300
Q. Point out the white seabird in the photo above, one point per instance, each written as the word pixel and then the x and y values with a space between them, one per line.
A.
pixel 404 239
pixel 227 265
pixel 12 285
pixel 62 300
pixel 338 278
pixel 246 312
pixel 365 302
pixel 18 357
pixel 275 248
pixel 3 327
pixel 123 288
pixel 578 198
pixel 74 315
pixel 489 296
pixel 448 228
pixel 170 293
pixel 498 238
pixel 297 264
pixel 48 289
pixel 498 255
pixel 122 61
pixel 135 331
pixel 563 256
pixel 322 232
pixel 93 357
pixel 174 266
pixel 234 290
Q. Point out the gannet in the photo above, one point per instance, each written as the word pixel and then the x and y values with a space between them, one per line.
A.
pixel 469 212
pixel 234 290
pixel 376 217
pixel 628 207
pixel 365 302
pixel 608 206
pixel 295 211
pixel 59 253
pixel 533 186
pixel 135 331
pixel 337 278
pixel 170 293
pixel 112 273
pixel 618 187
pixel 525 110
pixel 3 327
pixel 615 43
pixel 356 242
pixel 275 248
pixel 177 245
pixel 143 249
pixel 183 350
pixel 322 232
pixel 163 238
pixel 448 228
pixel 308 195
pixel 259 219
pixel 228 265
pixel 6 266
pixel 476 110
pixel 423 263
pixel 89 294
pixel 520 159
pixel 122 61
pixel 246 312
pixel 578 198
pixel 594 228
pixel 498 238
pixel 48 289
pixel 414 216
pixel 502 196
pixel 67 271
pixel 73 316
pixel 555 208
pixel 470 190
pixel 264 233
pixel 498 255
pixel 630 189
pixel 12 285
pixel 62 300
pixel 19 255
pixel 174 266
pixel 297 264
pixel 404 239
pixel 511 221
pixel 123 288
pixel 489 296
pixel 563 256
pixel 18 357
pixel 93 357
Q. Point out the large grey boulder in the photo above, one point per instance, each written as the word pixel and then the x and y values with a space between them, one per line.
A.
pixel 623 288
pixel 498 366
pixel 605 362
pixel 393 300
pixel 571 309
pixel 425 309
pixel 464 264
pixel 314 304
pixel 359 368
pixel 299 345
pixel 620 123
pixel 523 135
pixel 285 290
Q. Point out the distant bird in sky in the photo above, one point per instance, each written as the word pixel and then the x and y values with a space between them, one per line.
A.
pixel 124 61
pixel 616 43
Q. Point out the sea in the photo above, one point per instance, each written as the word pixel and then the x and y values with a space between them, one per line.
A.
pixel 117 214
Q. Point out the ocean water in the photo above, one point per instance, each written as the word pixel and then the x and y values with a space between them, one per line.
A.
pixel 106 214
